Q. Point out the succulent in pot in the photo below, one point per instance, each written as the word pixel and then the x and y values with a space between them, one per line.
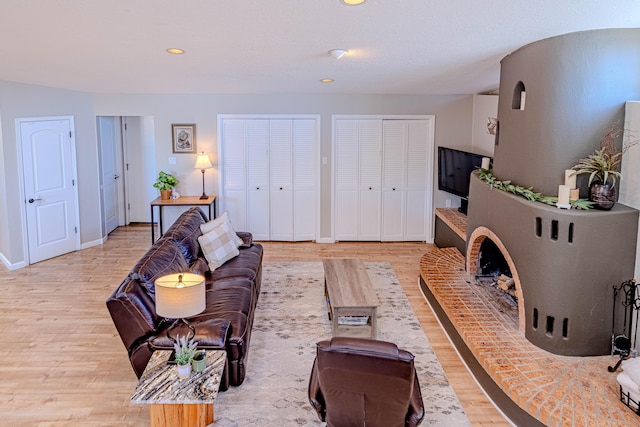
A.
pixel 603 167
pixel 185 349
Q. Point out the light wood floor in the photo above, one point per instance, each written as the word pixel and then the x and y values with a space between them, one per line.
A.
pixel 63 362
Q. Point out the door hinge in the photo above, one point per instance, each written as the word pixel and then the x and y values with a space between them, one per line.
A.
pixel 73 182
pixel 70 134
pixel 125 126
pixel 128 206
pixel 76 229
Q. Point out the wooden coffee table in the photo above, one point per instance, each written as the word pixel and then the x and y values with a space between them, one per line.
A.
pixel 180 402
pixel 352 301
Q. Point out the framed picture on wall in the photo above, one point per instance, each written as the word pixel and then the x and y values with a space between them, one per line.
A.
pixel 184 138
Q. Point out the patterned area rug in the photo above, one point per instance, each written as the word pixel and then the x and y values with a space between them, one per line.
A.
pixel 290 318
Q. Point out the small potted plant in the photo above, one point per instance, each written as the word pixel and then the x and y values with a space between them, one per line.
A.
pixel 185 350
pixel 165 183
pixel 603 167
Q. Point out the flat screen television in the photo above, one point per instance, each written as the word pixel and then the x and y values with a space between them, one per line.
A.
pixel 454 171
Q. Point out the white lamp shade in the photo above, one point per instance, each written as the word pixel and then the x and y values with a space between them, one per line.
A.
pixel 203 162
pixel 180 295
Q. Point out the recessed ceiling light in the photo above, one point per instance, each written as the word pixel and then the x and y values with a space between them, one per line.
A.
pixel 353 2
pixel 327 80
pixel 175 51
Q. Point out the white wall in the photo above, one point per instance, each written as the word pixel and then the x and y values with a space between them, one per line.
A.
pixel 484 106
pixel 630 168
pixel 453 121
pixel 24 101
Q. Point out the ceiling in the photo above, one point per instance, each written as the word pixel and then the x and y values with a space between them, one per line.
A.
pixel 281 46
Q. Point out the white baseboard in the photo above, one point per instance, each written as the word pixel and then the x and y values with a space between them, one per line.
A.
pixel 93 243
pixel 325 240
pixel 11 266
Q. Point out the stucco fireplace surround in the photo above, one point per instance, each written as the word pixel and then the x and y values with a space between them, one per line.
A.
pixel 557 97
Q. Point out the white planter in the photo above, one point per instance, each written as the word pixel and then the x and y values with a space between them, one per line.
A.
pixel 184 370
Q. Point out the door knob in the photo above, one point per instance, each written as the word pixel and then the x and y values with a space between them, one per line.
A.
pixel 116 176
pixel 35 199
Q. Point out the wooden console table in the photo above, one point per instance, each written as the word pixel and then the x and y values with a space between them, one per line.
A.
pixel 180 201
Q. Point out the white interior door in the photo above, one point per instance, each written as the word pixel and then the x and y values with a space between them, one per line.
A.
pixel 48 155
pixel 109 138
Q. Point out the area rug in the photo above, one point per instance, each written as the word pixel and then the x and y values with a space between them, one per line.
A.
pixel 291 317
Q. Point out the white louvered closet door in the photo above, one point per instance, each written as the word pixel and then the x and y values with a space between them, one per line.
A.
pixel 233 170
pixel 418 181
pixel 405 180
pixel 269 175
pixel 257 143
pixel 393 180
pixel 305 134
pixel 382 178
pixel 281 171
pixel 346 163
pixel 370 161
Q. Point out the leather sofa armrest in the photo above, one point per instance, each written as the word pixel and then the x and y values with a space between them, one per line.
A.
pixel 247 238
pixel 210 334
pixel 416 405
pixel 315 393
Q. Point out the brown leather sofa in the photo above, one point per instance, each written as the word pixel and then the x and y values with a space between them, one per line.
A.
pixel 357 382
pixel 232 293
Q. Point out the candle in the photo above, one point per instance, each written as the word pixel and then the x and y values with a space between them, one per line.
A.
pixel 563 194
pixel 574 194
pixel 570 178
pixel 485 163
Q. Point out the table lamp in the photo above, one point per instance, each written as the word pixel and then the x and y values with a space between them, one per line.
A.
pixel 202 163
pixel 178 296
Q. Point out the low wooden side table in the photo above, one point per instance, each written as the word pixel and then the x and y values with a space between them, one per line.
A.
pixel 180 402
pixel 351 299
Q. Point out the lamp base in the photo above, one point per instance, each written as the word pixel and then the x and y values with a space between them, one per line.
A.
pixel 204 196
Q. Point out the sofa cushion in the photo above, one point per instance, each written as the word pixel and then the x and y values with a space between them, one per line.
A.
pixel 185 232
pixel 164 257
pixel 219 245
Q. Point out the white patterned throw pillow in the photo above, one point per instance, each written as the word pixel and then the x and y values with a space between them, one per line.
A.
pixel 219 244
pixel 224 217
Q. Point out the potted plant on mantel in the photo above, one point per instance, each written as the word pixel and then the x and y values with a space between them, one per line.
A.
pixel 185 350
pixel 603 167
pixel 165 183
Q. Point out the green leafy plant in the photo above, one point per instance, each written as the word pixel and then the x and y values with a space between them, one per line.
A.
pixel 603 164
pixel 527 192
pixel 165 181
pixel 185 349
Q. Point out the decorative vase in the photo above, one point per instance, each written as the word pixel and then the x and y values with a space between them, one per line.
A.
pixel 602 195
pixel 165 194
pixel 199 362
pixel 183 370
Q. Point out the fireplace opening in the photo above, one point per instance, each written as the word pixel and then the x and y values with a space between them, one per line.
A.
pixel 494 271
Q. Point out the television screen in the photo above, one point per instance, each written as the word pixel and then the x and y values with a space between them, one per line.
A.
pixel 454 170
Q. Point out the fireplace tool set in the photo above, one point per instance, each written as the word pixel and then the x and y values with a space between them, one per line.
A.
pixel 622 344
